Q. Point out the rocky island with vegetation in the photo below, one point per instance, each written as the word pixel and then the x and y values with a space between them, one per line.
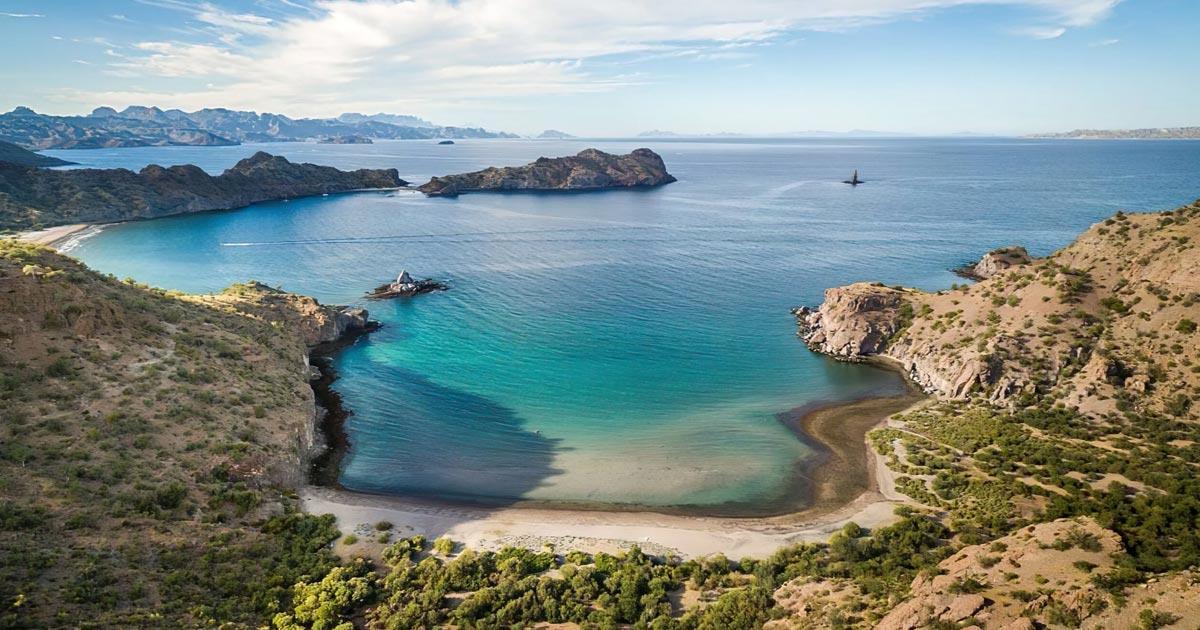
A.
pixel 591 169
pixel 33 197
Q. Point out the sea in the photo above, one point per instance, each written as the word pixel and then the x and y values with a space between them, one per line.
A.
pixel 627 348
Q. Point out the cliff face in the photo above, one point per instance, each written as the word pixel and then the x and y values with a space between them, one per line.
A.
pixel 30 196
pixel 1112 316
pixel 589 170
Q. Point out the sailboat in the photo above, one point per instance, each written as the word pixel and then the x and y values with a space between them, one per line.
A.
pixel 854 180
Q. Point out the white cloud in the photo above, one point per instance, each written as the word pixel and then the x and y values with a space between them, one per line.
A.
pixel 1042 32
pixel 338 55
pixel 21 15
pixel 1105 42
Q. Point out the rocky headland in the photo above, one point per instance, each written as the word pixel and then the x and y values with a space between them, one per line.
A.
pixel 30 196
pixel 19 155
pixel 994 262
pixel 1111 313
pixel 179 428
pixel 591 169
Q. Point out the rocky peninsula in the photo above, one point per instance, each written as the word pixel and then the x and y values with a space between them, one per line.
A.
pixel 994 262
pixel 14 154
pixel 1078 322
pixel 30 196
pixel 591 169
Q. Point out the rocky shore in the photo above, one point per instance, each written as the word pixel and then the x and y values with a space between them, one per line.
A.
pixel 1077 323
pixel 31 196
pixel 995 262
pixel 591 169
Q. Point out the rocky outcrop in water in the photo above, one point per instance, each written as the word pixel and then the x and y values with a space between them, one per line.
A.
pixel 591 169
pixel 405 286
pixel 994 262
pixel 31 196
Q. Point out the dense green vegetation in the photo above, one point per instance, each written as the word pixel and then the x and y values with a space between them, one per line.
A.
pixel 975 461
pixel 515 587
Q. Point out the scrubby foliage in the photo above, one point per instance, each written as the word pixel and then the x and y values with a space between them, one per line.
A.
pixel 520 587
pixel 143 442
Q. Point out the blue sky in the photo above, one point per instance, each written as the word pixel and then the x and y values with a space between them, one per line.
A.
pixel 618 67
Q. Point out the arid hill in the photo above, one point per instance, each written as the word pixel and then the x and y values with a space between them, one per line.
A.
pixel 35 197
pixel 148 446
pixel 591 169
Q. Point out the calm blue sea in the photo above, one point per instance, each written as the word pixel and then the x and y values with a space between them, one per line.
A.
pixel 629 347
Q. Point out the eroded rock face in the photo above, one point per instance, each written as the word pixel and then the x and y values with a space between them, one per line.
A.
pixel 996 261
pixel 854 321
pixel 591 169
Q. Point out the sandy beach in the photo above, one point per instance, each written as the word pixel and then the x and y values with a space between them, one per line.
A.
pixel 845 480
pixel 51 236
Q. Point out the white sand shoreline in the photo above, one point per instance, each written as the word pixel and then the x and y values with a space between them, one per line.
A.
pixel 588 530
pixel 54 237
pixel 596 530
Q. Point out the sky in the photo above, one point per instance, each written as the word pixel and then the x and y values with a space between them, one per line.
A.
pixel 619 67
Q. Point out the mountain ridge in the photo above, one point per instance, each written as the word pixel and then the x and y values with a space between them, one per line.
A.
pixel 137 126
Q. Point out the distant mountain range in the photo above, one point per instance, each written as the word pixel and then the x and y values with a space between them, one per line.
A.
pixel 138 126
pixel 554 134
pixel 1158 133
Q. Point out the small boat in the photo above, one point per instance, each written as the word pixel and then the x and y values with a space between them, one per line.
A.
pixel 854 180
pixel 446 142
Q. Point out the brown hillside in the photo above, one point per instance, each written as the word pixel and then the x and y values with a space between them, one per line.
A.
pixel 147 444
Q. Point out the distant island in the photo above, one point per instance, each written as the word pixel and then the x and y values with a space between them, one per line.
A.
pixel 1156 133
pixel 14 154
pixel 138 126
pixel 591 169
pixel 32 197
pixel 346 140
pixel 554 134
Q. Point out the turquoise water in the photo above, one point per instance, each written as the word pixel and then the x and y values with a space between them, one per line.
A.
pixel 627 347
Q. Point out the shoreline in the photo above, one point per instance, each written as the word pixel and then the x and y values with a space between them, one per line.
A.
pixel 844 477
pixel 53 236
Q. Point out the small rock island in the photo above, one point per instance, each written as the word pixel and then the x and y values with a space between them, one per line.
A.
pixel 405 286
pixel 591 169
